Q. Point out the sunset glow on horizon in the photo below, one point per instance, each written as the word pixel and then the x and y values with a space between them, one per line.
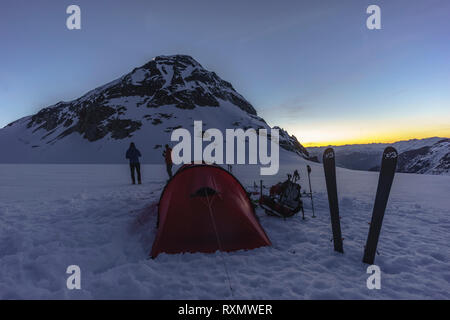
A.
pixel 368 140
pixel 338 133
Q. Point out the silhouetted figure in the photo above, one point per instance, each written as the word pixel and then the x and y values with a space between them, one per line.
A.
pixel 133 154
pixel 296 176
pixel 167 154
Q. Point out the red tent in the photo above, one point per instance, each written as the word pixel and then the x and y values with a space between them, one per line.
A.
pixel 204 208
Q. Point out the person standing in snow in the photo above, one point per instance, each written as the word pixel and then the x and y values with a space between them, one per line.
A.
pixel 167 154
pixel 133 155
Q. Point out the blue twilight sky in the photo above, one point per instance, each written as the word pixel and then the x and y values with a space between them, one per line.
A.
pixel 311 67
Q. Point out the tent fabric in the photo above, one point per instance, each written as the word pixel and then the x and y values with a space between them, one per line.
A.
pixel 204 208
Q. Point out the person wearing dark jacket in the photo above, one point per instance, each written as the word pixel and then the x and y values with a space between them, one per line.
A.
pixel 133 155
pixel 167 154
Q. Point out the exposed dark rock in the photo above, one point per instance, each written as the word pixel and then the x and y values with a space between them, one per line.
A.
pixel 444 162
pixel 170 129
pixel 166 115
pixel 156 121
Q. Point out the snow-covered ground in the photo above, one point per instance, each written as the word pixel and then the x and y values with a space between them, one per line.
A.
pixel 53 216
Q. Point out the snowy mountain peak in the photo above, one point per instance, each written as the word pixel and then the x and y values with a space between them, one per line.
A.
pixel 177 81
pixel 177 60
pixel 145 105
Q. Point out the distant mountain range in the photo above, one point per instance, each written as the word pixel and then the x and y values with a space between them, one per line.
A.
pixel 423 156
pixel 143 106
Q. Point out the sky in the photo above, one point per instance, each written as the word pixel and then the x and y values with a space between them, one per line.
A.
pixel 310 67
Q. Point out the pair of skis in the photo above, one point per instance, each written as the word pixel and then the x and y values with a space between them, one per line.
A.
pixel 386 177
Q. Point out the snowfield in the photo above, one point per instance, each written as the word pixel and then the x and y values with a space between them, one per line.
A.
pixel 53 216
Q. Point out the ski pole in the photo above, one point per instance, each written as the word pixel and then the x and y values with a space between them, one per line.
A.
pixel 261 189
pixel 310 190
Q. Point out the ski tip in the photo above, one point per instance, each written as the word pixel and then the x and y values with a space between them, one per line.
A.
pixel 328 154
pixel 390 153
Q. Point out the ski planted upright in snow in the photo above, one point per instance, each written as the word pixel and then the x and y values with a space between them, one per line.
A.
pixel 387 172
pixel 308 168
pixel 329 168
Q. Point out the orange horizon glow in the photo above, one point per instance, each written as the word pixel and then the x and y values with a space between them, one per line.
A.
pixel 364 141
pixel 338 134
